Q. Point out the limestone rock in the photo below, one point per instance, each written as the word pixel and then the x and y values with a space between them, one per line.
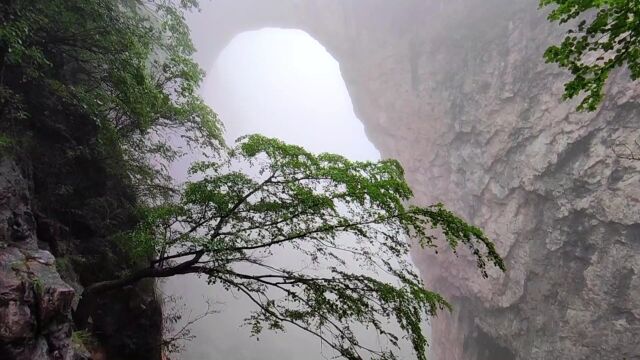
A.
pixel 35 304
pixel 35 307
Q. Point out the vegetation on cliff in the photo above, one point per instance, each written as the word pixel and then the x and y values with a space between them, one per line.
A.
pixel 332 216
pixel 603 35
pixel 89 91
pixel 124 65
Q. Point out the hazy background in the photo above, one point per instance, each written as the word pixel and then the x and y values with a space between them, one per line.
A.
pixel 284 84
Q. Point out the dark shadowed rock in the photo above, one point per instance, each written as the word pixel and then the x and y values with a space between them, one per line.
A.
pixel 35 304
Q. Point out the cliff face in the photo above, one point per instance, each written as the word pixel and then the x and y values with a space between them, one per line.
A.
pixel 35 304
pixel 39 290
pixel 458 92
pixel 60 207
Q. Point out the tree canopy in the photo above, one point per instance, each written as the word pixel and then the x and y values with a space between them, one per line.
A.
pixel 124 65
pixel 603 35
pixel 331 214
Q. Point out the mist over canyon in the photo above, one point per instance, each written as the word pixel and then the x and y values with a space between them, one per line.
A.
pixel 126 210
pixel 458 91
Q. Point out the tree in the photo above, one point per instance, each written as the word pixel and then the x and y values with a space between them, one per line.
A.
pixel 336 214
pixel 606 37
pixel 107 78
pixel 123 66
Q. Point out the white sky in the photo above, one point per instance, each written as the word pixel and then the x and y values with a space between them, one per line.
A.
pixel 283 83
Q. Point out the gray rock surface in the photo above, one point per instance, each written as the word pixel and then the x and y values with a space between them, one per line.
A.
pixel 35 304
pixel 457 91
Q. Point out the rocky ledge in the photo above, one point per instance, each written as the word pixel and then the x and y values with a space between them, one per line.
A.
pixel 35 307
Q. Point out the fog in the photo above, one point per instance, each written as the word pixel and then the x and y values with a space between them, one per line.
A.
pixel 284 84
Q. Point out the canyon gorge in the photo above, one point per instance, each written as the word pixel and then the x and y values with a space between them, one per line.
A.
pixel 458 91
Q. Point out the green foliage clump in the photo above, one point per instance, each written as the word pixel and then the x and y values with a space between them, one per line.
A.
pixel 38 286
pixel 332 215
pixel 62 263
pixel 124 65
pixel 141 243
pixel 84 339
pixel 605 37
pixel 92 88
pixel 64 266
pixel 5 144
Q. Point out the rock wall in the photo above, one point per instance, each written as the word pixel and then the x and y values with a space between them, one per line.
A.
pixel 59 196
pixel 458 92
pixel 38 290
pixel 35 304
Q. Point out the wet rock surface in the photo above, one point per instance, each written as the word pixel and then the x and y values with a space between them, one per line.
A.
pixel 35 304
pixel 49 209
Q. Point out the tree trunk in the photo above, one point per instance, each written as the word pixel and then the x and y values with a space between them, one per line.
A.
pixel 89 297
